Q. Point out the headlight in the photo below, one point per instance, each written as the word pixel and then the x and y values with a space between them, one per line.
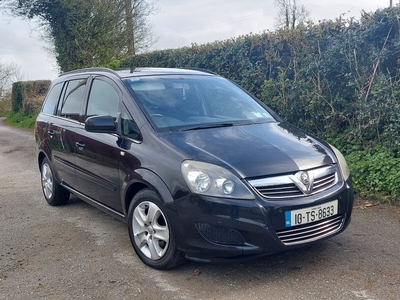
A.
pixel 342 163
pixel 211 180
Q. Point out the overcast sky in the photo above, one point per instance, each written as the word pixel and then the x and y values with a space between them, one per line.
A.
pixel 177 23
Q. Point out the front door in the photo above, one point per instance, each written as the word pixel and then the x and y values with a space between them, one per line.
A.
pixel 98 153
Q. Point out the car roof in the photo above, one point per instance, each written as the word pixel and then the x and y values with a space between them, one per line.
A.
pixel 125 73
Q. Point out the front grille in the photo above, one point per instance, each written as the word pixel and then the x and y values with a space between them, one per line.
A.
pixel 311 232
pixel 324 182
pixel 280 190
pixel 219 234
pixel 286 186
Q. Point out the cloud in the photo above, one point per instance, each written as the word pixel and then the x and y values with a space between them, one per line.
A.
pixel 21 45
pixel 181 23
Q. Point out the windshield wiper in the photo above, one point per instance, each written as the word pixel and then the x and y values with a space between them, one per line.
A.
pixel 206 126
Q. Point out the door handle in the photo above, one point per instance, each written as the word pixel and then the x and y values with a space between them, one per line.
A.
pixel 80 145
pixel 50 133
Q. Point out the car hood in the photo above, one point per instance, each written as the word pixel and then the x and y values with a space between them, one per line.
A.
pixel 253 150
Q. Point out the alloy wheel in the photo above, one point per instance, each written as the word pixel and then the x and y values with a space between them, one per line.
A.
pixel 150 229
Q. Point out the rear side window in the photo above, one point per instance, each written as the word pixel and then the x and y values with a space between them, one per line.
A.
pixel 70 107
pixel 49 106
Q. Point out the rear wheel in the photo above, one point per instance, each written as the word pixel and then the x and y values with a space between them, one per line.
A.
pixel 150 232
pixel 53 192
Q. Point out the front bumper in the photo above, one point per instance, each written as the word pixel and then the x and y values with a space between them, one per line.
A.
pixel 216 229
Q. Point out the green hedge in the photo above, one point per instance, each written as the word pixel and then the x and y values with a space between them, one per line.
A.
pixel 27 96
pixel 336 77
pixel 17 96
pixel 375 171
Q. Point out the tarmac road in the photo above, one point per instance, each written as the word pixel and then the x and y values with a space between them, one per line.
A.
pixel 78 252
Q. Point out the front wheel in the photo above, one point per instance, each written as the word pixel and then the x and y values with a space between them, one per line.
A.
pixel 53 192
pixel 150 232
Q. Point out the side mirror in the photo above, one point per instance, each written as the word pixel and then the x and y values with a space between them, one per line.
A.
pixel 100 124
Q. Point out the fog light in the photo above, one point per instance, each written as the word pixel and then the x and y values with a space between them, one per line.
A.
pixel 220 235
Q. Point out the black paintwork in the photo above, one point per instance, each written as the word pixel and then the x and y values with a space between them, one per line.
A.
pixel 252 150
pixel 107 169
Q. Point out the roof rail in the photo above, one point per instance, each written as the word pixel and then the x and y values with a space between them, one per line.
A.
pixel 90 70
pixel 202 70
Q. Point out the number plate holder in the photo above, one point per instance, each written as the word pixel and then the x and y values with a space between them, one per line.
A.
pixel 311 214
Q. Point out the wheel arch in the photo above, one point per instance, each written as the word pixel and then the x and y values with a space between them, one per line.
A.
pixel 146 179
pixel 41 157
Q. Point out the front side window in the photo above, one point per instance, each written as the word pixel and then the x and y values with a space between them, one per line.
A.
pixel 187 102
pixel 71 105
pixel 103 99
pixel 128 125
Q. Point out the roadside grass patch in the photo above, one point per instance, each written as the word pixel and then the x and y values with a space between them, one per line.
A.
pixel 21 120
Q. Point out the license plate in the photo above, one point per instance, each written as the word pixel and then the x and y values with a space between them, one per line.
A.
pixel 311 214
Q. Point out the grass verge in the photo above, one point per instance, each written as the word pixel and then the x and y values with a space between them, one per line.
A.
pixel 21 120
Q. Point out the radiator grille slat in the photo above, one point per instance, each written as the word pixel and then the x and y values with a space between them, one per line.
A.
pixel 310 232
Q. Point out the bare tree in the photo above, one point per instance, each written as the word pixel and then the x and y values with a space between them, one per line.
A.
pixel 291 13
pixel 138 30
pixel 129 27
pixel 9 73
pixel 134 19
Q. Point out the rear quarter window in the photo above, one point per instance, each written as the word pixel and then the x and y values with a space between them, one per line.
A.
pixel 50 103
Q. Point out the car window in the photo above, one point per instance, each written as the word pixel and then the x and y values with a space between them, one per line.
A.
pixel 50 103
pixel 70 107
pixel 228 102
pixel 128 125
pixel 103 99
pixel 176 102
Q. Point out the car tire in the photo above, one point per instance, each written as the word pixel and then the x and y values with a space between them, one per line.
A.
pixel 150 232
pixel 53 192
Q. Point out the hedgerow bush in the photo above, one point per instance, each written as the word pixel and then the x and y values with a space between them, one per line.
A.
pixel 27 96
pixel 375 171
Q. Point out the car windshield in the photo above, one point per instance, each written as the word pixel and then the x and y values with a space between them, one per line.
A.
pixel 190 102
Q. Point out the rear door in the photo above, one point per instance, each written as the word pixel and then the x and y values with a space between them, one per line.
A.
pixel 61 130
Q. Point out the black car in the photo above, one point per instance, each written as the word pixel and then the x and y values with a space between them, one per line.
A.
pixel 196 166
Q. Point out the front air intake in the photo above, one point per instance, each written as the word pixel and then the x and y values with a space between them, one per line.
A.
pixel 220 235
